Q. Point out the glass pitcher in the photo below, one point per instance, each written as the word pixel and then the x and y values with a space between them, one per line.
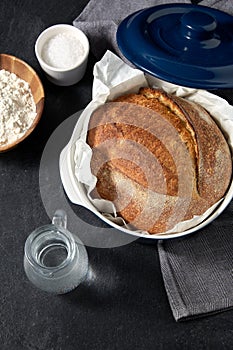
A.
pixel 54 260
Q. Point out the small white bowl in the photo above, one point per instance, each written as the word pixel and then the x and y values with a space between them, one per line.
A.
pixel 63 64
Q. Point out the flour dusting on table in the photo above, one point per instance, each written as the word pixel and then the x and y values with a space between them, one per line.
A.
pixel 17 107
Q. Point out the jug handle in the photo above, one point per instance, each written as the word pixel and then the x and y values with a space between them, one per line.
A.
pixel 60 218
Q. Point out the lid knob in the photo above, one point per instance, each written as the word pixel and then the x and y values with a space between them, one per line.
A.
pixel 197 24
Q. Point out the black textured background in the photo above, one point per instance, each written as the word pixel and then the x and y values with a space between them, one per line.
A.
pixel 126 306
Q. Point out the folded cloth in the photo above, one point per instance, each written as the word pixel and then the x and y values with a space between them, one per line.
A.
pixel 99 21
pixel 226 5
pixel 198 269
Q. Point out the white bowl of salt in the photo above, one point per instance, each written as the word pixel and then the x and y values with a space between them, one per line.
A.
pixel 62 51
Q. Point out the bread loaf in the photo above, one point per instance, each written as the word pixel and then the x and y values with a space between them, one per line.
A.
pixel 159 158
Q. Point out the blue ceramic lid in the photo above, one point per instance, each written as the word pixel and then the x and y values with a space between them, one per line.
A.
pixel 188 45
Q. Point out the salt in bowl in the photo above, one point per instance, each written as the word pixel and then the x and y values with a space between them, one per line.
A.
pixel 62 51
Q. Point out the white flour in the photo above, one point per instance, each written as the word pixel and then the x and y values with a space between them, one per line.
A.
pixel 17 107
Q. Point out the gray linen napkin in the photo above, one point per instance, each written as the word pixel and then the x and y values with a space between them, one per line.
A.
pixel 198 269
pixel 226 5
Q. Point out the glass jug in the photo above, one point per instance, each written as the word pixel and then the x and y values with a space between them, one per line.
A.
pixel 54 260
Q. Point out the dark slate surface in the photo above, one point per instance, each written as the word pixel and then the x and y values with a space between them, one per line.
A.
pixel 126 306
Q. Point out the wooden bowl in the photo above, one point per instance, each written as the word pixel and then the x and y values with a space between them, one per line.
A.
pixel 24 71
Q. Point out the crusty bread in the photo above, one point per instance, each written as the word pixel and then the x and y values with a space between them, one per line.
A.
pixel 161 159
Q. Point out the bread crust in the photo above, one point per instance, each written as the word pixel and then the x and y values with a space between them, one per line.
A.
pixel 160 158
